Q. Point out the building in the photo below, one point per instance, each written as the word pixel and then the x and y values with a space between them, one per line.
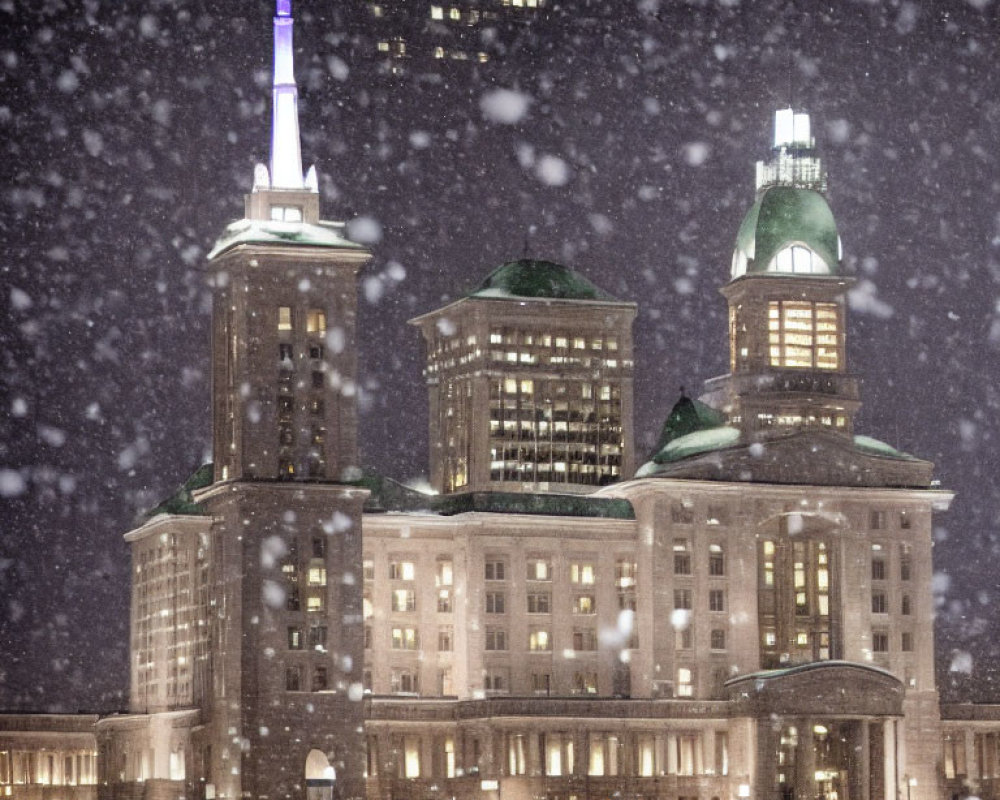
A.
pixel 530 384
pixel 747 614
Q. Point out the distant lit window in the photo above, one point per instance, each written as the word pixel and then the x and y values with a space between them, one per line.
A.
pixel 539 641
pixel 286 213
pixel 685 686
pixel 284 318
pixel 404 638
pixel 317 576
pixel 804 334
pixel 404 600
pixel 539 570
pixel 584 604
pixel 437 12
pixel 581 573
pixel 316 321
pixel 401 571
pixel 800 260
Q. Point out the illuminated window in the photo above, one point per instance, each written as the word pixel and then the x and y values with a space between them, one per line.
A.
pixel 581 573
pixel 437 12
pixel 401 571
pixel 539 570
pixel 316 321
pixel 444 601
pixel 800 260
pixel 539 641
pixel 444 573
pixel 685 687
pixel 804 334
pixel 404 600
pixel 317 576
pixel 294 639
pixel 368 569
pixel 284 320
pixel 404 638
pixel 455 13
pixel 626 571
pixel 314 603
pixel 584 604
pixel 286 213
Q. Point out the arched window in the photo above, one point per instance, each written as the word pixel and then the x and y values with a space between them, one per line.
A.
pixel 800 260
pixel 320 776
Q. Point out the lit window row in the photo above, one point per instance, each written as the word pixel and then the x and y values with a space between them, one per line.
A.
pixel 315 320
pixel 804 335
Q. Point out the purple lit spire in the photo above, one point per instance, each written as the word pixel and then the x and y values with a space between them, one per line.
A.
pixel 286 154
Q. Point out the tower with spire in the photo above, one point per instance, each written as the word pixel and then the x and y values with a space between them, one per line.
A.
pixel 283 709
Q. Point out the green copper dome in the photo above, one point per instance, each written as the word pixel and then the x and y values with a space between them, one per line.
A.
pixel 538 279
pixel 789 230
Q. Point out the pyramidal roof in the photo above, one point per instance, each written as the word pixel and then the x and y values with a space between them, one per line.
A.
pixel 529 278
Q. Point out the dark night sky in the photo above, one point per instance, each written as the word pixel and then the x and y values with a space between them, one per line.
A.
pixel 128 133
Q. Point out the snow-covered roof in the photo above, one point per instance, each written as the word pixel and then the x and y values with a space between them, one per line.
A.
pixel 253 231
pixel 528 278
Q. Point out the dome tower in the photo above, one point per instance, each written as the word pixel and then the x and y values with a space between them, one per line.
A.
pixel 788 365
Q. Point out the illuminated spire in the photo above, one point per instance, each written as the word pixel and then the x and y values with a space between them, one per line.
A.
pixel 286 155
pixel 794 161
